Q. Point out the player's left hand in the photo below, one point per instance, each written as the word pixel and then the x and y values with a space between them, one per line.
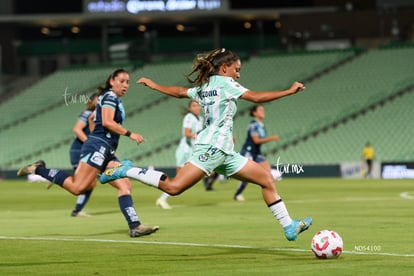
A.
pixel 138 138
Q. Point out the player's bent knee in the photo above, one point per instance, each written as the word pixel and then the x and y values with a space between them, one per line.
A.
pixel 173 190
pixel 268 181
pixel 77 192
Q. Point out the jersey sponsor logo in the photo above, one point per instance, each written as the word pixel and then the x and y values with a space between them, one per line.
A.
pixel 102 150
pixel 203 157
pixel 207 102
pixel 97 158
pixel 208 93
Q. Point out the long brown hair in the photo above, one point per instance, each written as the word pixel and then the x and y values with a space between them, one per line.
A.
pixel 90 104
pixel 209 63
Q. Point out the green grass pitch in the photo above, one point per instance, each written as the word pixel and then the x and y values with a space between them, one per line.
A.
pixel 208 233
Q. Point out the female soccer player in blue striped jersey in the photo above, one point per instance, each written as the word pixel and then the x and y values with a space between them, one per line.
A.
pixel 98 152
pixel 217 90
pixel 256 136
pixel 82 131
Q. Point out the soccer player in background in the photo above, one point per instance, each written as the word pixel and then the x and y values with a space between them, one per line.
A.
pixel 191 125
pixel 256 136
pixel 82 130
pixel 216 88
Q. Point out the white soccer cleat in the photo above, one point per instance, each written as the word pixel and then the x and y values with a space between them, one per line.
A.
pixel 163 204
pixel 277 175
pixel 80 214
pixel 239 198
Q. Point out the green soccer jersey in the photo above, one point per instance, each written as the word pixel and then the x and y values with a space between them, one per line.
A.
pixel 218 99
pixel 195 124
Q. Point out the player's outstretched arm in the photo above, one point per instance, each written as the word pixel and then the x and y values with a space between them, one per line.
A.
pixel 174 91
pixel 267 96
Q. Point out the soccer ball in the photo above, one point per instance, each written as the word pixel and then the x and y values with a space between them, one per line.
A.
pixel 327 244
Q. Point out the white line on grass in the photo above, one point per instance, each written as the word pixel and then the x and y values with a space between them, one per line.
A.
pixel 353 199
pixel 197 245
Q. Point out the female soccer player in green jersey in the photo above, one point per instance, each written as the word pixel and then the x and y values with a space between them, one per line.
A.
pixel 216 88
pixel 192 124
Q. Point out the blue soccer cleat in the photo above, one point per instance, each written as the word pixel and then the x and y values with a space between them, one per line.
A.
pixel 296 227
pixel 117 172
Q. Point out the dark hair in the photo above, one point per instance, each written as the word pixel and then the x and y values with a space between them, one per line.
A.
pixel 209 63
pixel 254 108
pixel 185 110
pixel 107 84
pixel 90 105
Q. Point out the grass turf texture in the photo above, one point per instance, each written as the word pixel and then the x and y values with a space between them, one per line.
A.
pixel 208 233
